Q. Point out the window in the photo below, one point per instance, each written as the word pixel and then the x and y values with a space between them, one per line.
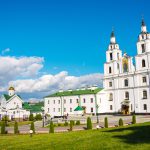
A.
pixel 53 109
pixel 145 107
pixel 110 96
pixel 144 94
pixel 14 103
pixel 111 56
pixel 58 101
pixel 91 100
pixel 70 100
pixel 143 48
pixel 64 101
pixel 143 63
pixel 54 101
pixel 109 69
pixel 84 100
pixel 118 55
pixel 111 107
pixel 64 109
pixel 144 79
pixel 91 109
pixel 70 109
pixel 100 100
pixel 118 66
pixel 126 82
pixel 58 109
pixel 48 109
pixel 110 84
pixel 127 95
pixel 77 100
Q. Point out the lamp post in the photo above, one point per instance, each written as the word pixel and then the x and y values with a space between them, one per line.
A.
pixel 18 111
pixel 97 113
pixel 42 116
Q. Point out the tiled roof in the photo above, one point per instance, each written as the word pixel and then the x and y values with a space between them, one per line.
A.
pixel 7 97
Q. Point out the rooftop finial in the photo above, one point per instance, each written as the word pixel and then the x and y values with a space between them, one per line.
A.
pixel 112 33
pixel 143 23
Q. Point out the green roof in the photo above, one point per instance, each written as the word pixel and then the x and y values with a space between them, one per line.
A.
pixel 75 92
pixel 78 108
pixel 26 106
pixel 7 97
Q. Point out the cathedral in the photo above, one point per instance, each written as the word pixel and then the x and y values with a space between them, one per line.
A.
pixel 125 90
pixel 127 85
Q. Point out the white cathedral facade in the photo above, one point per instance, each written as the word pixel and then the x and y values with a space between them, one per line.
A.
pixel 126 86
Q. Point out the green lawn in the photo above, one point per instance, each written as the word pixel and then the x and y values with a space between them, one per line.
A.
pixel 133 137
pixel 10 124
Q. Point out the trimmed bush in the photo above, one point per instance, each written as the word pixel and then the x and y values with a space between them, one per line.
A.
pixel 16 131
pixel 38 117
pixel 3 126
pixel 133 119
pixel 89 123
pixel 31 117
pixel 78 122
pixel 66 123
pixel 106 122
pixel 32 127
pixel 51 129
pixel 120 122
pixel 59 124
pixel 71 125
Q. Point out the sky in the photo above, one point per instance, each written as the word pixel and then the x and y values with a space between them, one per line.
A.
pixel 48 45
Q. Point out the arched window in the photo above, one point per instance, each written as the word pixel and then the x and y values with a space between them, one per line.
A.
pixel 109 69
pixel 127 95
pixel 126 83
pixel 110 96
pixel 143 48
pixel 143 63
pixel 144 94
pixel 111 56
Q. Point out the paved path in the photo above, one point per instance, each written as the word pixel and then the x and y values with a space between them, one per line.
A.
pixel 113 120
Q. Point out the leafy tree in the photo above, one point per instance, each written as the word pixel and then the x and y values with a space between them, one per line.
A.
pixel 133 119
pixel 31 117
pixel 89 123
pixel 32 127
pixel 3 126
pixel 78 122
pixel 66 123
pixel 106 122
pixel 16 131
pixel 38 117
pixel 51 129
pixel 120 122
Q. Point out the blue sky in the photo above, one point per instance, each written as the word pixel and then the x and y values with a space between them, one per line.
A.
pixel 71 35
pixel 48 45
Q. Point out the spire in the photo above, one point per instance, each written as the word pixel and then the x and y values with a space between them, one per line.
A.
pixel 143 23
pixel 143 26
pixel 112 37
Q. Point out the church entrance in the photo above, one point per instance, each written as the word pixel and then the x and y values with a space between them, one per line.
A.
pixel 125 109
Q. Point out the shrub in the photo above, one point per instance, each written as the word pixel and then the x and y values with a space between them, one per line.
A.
pixel 120 122
pixel 31 117
pixel 78 122
pixel 32 127
pixel 51 129
pixel 66 123
pixel 71 125
pixel 106 122
pixel 16 131
pixel 38 117
pixel 133 119
pixel 3 126
pixel 89 123
pixel 5 119
pixel 59 124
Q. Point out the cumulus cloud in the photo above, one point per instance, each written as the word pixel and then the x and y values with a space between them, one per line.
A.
pixel 51 83
pixel 5 51
pixel 13 68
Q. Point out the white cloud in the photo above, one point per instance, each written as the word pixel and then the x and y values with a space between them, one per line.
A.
pixel 5 51
pixel 13 68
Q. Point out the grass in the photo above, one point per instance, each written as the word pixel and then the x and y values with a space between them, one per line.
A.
pixel 133 137
pixel 10 124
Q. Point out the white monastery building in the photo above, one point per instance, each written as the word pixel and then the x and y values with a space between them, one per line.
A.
pixel 11 105
pixel 126 85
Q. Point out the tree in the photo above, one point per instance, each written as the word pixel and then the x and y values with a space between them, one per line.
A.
pixel 3 126
pixel 106 122
pixel 133 119
pixel 89 123
pixel 78 122
pixel 31 117
pixel 16 131
pixel 120 122
pixel 51 129
pixel 32 127
pixel 71 125
pixel 38 117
